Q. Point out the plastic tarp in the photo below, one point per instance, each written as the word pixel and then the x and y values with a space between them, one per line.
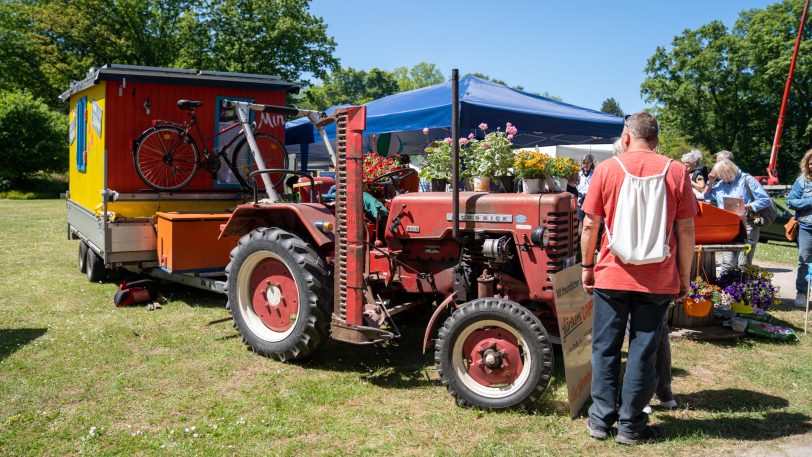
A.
pixel 395 123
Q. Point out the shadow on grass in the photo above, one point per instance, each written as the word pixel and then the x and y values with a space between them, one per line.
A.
pixel 12 339
pixel 769 426
pixel 778 269
pixel 397 364
pixel 732 400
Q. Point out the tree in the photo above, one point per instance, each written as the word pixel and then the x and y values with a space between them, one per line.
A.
pixel 722 88
pixel 611 106
pixel 421 75
pixel 350 86
pixel 33 137
pixel 44 44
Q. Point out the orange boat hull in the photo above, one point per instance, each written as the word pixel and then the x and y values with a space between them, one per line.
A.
pixel 716 226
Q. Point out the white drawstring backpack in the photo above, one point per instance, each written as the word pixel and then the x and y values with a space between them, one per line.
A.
pixel 639 235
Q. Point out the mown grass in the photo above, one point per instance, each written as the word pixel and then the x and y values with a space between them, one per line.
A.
pixel 70 361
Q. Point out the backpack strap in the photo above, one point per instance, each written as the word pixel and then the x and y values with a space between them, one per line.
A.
pixel 667 164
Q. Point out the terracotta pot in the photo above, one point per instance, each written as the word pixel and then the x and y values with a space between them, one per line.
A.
pixel 532 186
pixel 438 185
pixel 482 183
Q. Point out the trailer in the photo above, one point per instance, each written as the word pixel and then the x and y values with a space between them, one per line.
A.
pixel 119 220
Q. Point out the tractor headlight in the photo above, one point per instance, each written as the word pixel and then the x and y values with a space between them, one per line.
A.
pixel 540 236
pixel 325 226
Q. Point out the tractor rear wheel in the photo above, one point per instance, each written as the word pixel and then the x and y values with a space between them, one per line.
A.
pixel 494 354
pixel 275 285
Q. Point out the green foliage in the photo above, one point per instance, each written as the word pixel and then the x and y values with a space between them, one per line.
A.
pixel 33 137
pixel 721 89
pixel 491 155
pixel 45 44
pixel 356 87
pixel 437 162
pixel 611 106
pixel 421 75
pixel 350 86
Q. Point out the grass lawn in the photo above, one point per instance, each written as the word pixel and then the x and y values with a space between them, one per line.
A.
pixel 79 376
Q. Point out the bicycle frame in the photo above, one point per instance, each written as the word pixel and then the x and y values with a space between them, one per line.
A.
pixel 218 152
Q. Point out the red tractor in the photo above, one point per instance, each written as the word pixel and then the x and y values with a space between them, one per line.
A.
pixel 305 272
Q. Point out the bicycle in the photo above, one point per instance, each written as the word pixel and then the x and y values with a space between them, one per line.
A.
pixel 166 156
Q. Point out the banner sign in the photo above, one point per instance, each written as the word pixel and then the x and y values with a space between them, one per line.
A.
pixel 574 309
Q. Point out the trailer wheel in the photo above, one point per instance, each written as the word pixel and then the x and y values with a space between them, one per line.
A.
pixel 275 286
pixel 494 354
pixel 83 256
pixel 94 267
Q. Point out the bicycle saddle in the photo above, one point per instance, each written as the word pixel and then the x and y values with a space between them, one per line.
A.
pixel 189 104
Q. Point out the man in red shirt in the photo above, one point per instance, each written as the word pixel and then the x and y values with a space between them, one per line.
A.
pixel 637 294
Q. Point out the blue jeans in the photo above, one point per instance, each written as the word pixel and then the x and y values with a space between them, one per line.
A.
pixel 804 257
pixel 645 313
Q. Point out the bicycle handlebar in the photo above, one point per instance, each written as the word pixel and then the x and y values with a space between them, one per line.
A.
pixel 279 109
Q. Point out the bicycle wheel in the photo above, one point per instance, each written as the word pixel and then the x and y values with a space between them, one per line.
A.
pixel 165 158
pixel 273 154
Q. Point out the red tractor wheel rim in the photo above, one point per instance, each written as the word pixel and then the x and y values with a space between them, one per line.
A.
pixel 274 294
pixel 493 357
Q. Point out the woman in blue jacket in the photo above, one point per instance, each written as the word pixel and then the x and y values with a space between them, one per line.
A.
pixel 727 180
pixel 800 199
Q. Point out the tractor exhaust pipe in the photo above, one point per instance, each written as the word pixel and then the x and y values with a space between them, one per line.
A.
pixel 455 154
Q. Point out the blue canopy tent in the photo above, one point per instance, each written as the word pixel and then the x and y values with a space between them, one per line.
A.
pixel 395 123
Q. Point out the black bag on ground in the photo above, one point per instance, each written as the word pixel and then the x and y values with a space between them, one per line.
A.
pixel 134 292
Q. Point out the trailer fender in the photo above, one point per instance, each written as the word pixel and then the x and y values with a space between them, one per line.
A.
pixel 448 300
pixel 303 219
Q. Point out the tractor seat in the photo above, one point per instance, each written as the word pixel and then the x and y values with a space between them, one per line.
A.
pixel 189 104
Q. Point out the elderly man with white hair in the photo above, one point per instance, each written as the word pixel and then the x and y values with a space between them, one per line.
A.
pixel 699 174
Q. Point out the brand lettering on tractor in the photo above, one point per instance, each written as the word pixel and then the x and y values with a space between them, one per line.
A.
pixel 482 217
pixel 413 228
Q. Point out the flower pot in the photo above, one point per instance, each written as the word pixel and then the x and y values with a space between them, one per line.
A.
pixel 503 184
pixel 438 185
pixel 532 186
pixel 555 184
pixel 741 308
pixel 697 309
pixel 482 183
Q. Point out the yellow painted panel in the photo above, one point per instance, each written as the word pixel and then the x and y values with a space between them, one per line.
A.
pixel 85 187
pixel 149 208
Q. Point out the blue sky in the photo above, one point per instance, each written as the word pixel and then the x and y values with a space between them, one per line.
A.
pixel 583 51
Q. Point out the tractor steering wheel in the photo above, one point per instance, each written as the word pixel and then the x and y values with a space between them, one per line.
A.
pixel 395 176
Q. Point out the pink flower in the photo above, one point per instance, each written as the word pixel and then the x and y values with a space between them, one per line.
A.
pixel 425 131
pixel 486 146
pixel 463 140
pixel 510 129
pixel 470 136
pixel 448 140
pixel 483 126
pixel 510 137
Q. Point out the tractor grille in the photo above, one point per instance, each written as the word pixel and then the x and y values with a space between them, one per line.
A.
pixel 340 306
pixel 563 229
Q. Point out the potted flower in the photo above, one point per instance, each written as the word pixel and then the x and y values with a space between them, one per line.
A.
pixel 531 167
pixel 559 170
pixel 699 301
pixel 436 167
pixel 747 289
pixel 491 157
pixel 375 166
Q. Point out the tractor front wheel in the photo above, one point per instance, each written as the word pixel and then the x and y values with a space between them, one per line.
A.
pixel 275 285
pixel 494 354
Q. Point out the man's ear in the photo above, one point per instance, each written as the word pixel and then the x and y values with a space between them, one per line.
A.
pixel 625 139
